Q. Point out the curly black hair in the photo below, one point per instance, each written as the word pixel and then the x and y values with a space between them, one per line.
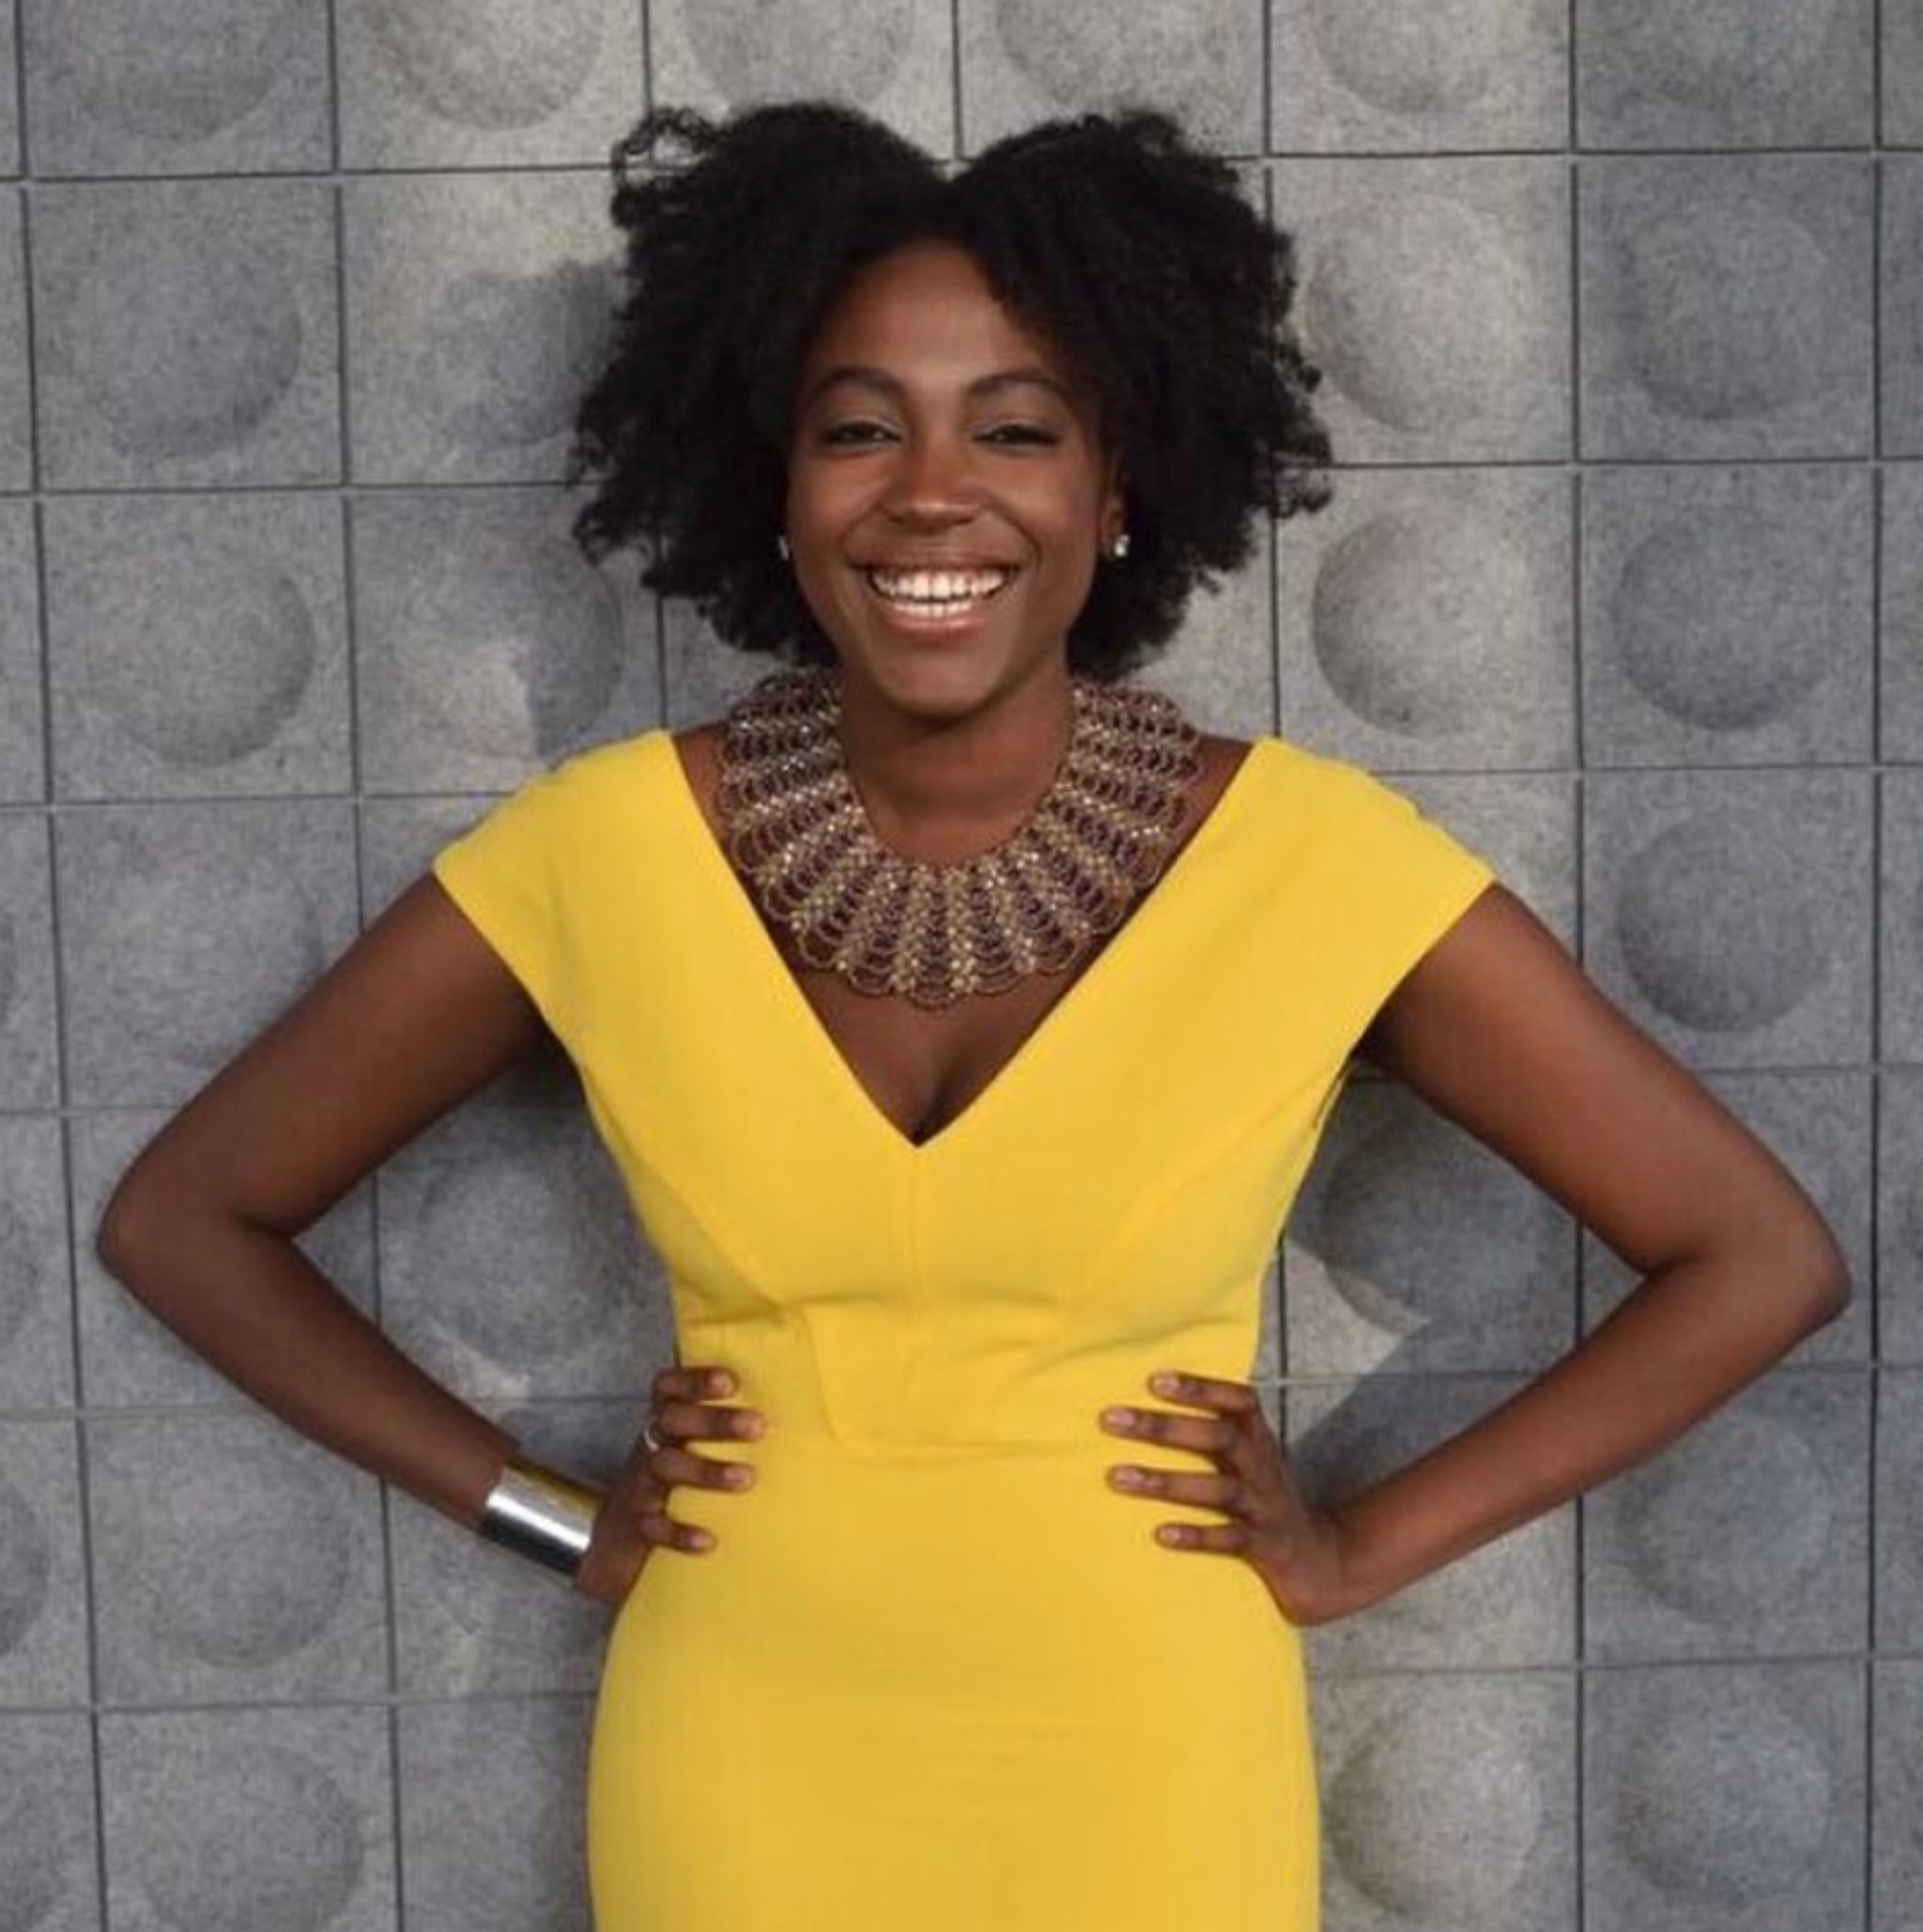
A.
pixel 1113 239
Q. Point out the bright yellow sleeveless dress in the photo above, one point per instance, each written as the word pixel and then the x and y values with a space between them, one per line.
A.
pixel 937 1675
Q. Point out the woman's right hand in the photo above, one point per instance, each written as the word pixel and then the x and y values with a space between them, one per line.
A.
pixel 633 1517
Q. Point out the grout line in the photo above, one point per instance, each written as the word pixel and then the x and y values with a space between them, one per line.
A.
pixel 955 75
pixel 646 14
pixel 335 147
pixel 18 8
pixel 1267 111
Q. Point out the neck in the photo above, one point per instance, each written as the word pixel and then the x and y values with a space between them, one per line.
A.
pixel 942 789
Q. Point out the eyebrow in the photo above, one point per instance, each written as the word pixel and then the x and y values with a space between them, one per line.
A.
pixel 866 376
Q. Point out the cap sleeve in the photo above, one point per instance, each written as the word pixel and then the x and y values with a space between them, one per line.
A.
pixel 508 875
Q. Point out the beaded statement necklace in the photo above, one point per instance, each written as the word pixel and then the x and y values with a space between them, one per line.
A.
pixel 796 829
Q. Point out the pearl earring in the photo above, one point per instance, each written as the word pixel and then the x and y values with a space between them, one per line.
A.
pixel 1119 546
pixel 781 549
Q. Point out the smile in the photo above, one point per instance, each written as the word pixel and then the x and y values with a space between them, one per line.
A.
pixel 937 592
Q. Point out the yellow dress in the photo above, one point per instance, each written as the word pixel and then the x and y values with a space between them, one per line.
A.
pixel 936 1672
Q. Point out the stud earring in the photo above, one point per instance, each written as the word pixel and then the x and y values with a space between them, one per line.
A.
pixel 1119 546
pixel 781 549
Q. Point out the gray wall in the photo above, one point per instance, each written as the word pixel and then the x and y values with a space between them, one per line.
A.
pixel 1622 315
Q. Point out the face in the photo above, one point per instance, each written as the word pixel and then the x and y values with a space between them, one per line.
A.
pixel 946 490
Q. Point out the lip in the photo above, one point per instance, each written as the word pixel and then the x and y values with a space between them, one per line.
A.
pixel 901 618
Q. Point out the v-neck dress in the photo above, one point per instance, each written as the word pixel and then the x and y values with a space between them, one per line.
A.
pixel 936 1672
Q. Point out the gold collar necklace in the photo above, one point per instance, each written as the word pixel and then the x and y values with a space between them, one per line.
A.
pixel 796 829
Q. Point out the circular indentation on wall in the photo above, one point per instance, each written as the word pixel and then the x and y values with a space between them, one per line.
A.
pixel 514 351
pixel 490 1599
pixel 184 337
pixel 491 64
pixel 257 1838
pixel 1436 58
pixel 26 1568
pixel 247 1563
pixel 199 658
pixel 1726 302
pixel 172 69
pixel 1719 926
pixel 1416 309
pixel 21 1272
pixel 1400 1812
pixel 203 950
pixel 1706 625
pixel 1720 52
pixel 508 642
pixel 494 1224
pixel 33 1855
pixel 1417 617
pixel 1773 1513
pixel 1411 1214
pixel 757 49
pixel 1676 1813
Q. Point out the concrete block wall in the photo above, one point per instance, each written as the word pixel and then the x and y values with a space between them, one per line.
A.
pixel 1621 303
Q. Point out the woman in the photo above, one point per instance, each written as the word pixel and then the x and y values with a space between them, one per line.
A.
pixel 963 1022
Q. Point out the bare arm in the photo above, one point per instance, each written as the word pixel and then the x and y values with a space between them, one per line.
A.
pixel 1498 1030
pixel 416 1015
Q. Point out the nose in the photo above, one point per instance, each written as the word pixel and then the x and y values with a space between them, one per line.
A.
pixel 933 485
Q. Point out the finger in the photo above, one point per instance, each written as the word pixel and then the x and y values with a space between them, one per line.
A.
pixel 1225 1492
pixel 668 1534
pixel 1209 1435
pixel 677 1468
pixel 682 1383
pixel 1205 1392
pixel 706 1422
pixel 1219 1538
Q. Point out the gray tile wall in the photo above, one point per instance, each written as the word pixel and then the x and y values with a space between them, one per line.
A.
pixel 1621 303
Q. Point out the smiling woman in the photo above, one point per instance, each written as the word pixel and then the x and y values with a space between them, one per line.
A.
pixel 963 1021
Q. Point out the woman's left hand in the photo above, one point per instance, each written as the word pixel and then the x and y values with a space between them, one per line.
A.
pixel 1295 1547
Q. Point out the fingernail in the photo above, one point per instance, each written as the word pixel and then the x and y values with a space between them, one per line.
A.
pixel 737 1477
pixel 1168 1533
pixel 1127 1478
pixel 1165 1382
pixel 702 1540
pixel 752 1425
pixel 720 1383
pixel 1120 1419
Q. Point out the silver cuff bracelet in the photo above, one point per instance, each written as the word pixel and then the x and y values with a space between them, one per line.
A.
pixel 540 1514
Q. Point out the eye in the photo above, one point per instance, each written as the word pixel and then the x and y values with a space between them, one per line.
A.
pixel 1019 435
pixel 855 435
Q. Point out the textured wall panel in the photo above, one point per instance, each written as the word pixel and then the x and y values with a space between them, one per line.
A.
pixel 1030 60
pixel 187 333
pixel 1901 905
pixel 1821 1126
pixel 233 1564
pixel 894 58
pixel 1751 1535
pixel 43 1626
pixel 1414 1247
pixel 1728 912
pixel 1411 1840
pixel 1903 305
pixel 478 307
pixel 486 83
pixel 510 1265
pixel 185 931
pixel 1903 71
pixel 1381 75
pixel 1900 1510
pixel 1725 73
pixel 1425 620
pixel 1724 1795
pixel 1434 297
pixel 1900 1217
pixel 1726 306
pixel 1222 668
pixel 1901 712
pixel 1895 1825
pixel 197 646
pixel 469 1619
pixel 181 87
pixel 22 737
pixel 28 1060
pixel 1525 826
pixel 9 95
pixel 36 1314
pixel 487 647
pixel 128 1357
pixel 491 1815
pixel 1728 616
pixel 1510 1603
pixel 48 1831
pixel 16 434
pixel 225 1821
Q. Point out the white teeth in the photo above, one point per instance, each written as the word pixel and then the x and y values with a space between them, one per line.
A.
pixel 938 590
